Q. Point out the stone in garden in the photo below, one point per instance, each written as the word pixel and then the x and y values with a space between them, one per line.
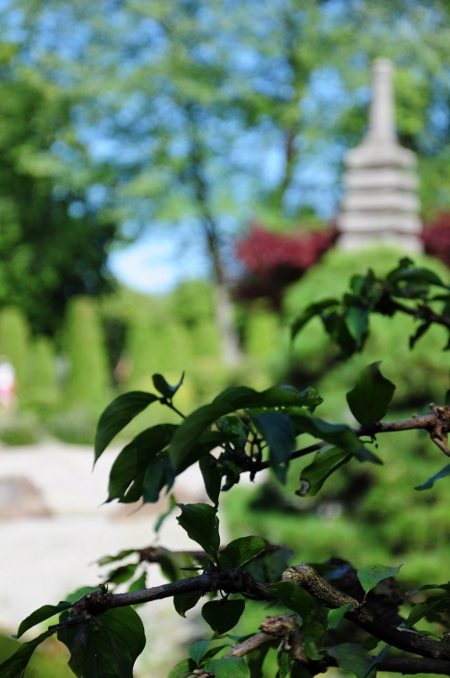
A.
pixel 20 498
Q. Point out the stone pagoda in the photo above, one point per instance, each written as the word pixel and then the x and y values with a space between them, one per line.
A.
pixel 380 202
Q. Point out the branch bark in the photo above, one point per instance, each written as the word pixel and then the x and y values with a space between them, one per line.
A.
pixel 408 640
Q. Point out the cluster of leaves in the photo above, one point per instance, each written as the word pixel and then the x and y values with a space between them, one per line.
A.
pixel 406 289
pixel 272 261
pixel 246 431
pixel 436 238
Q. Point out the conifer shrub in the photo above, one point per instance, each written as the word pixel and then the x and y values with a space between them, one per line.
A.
pixel 14 343
pixel 88 380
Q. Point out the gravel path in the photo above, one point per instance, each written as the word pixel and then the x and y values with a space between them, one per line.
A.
pixel 45 557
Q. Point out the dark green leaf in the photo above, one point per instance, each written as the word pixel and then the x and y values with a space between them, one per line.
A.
pixel 336 616
pixel 120 556
pixel 430 482
pixel 255 661
pixel 326 462
pixel 414 275
pixel 185 669
pixel 186 601
pixel 419 333
pixel 233 667
pixel 278 431
pixel 371 575
pixel 197 650
pixel 357 321
pixel 211 477
pixel 284 664
pixel 117 415
pixel 133 461
pixel 122 574
pixel 40 615
pixel 157 475
pixel 139 584
pixel 201 523
pixel 241 551
pixel 293 597
pixel 376 660
pixel 15 666
pixel 310 312
pixel 164 388
pixel 370 398
pixel 166 514
pixel 432 605
pixel 223 615
pixel 351 657
pixel 191 429
pixel 106 646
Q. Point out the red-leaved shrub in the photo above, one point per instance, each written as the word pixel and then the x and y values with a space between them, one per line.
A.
pixel 436 238
pixel 272 261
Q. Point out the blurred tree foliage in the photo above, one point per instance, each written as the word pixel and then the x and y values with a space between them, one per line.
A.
pixel 205 114
pixel 53 240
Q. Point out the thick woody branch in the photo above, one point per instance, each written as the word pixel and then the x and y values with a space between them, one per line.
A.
pixel 228 581
pixel 407 640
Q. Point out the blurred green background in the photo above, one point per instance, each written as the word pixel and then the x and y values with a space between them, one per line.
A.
pixel 180 124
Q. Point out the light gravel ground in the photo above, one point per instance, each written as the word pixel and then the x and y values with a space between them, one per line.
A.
pixel 44 559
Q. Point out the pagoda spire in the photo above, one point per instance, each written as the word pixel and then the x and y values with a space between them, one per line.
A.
pixel 381 200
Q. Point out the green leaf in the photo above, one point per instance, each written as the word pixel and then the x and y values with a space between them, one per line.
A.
pixel 158 474
pixel 284 665
pixel 197 650
pixel 164 388
pixel 106 646
pixel 293 597
pixel 351 657
pixel 278 431
pixel 139 584
pixel 184 669
pixel 166 514
pixel 241 551
pixel 371 575
pixel 431 605
pixel 183 602
pixel 430 482
pixel 325 463
pixel 119 556
pixel 233 667
pixel 337 615
pixel 133 461
pixel 122 574
pixel 310 312
pixel 190 430
pixel 357 321
pixel 40 615
pixel 211 477
pixel 117 415
pixel 255 661
pixel 223 615
pixel 201 523
pixel 15 666
pixel 370 398
pixel 416 275
pixel 233 399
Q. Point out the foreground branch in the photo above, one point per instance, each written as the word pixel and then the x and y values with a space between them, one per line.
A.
pixel 407 640
pixel 228 581
pixel 437 423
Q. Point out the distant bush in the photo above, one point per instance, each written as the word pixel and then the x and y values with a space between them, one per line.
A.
pixel 14 342
pixel 88 378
